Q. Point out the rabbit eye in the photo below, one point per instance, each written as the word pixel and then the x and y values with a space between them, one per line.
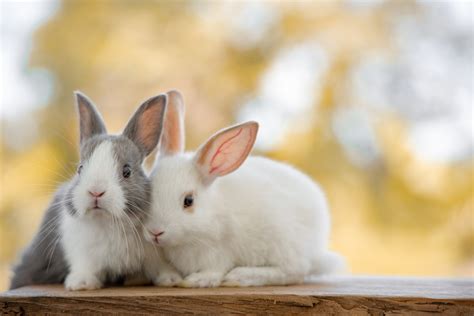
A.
pixel 79 169
pixel 188 201
pixel 126 171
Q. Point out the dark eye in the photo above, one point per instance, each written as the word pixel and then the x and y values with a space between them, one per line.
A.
pixel 79 169
pixel 188 201
pixel 127 171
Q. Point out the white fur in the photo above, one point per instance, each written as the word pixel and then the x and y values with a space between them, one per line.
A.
pixel 266 223
pixel 96 241
pixel 99 174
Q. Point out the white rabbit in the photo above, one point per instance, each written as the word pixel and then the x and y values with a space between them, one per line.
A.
pixel 264 223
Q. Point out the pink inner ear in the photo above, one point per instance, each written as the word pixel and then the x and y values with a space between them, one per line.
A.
pixel 173 134
pixel 224 158
pixel 148 127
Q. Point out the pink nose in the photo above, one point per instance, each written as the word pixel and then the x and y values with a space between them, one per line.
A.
pixel 97 194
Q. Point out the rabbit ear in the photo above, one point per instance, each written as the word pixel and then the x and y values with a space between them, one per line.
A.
pixel 145 126
pixel 90 121
pixel 172 141
pixel 226 150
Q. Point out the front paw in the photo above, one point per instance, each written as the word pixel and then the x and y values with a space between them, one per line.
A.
pixel 78 282
pixel 167 279
pixel 202 279
pixel 239 277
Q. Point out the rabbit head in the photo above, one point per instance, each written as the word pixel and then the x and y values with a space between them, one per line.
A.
pixel 110 180
pixel 183 188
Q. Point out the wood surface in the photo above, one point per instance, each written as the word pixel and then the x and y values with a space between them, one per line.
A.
pixel 325 296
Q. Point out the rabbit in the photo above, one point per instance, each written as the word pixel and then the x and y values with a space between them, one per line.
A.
pixel 90 232
pixel 224 219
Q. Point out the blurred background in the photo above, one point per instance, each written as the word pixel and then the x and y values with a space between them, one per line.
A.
pixel 372 98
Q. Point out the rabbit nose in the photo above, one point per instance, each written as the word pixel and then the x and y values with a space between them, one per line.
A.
pixel 96 194
pixel 157 233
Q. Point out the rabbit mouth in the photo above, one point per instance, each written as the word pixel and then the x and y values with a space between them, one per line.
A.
pixel 156 236
pixel 96 205
pixel 96 209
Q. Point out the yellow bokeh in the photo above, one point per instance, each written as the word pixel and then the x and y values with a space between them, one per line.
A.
pixel 396 212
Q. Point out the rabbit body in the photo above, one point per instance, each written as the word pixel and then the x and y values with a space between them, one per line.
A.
pixel 94 226
pixel 266 223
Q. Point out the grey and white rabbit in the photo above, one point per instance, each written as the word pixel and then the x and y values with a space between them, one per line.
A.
pixel 91 231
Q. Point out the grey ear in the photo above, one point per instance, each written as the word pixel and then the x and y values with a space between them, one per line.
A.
pixel 90 121
pixel 146 125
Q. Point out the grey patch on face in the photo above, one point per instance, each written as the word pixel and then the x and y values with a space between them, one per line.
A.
pixel 137 187
pixel 88 148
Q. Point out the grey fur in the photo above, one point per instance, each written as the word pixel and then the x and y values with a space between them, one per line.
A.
pixel 136 188
pixel 88 148
pixel 43 260
pixel 68 205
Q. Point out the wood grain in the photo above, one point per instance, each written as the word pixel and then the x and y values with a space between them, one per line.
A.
pixel 329 296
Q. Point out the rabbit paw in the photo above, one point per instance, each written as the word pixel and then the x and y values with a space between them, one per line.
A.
pixel 167 279
pixel 259 276
pixel 202 279
pixel 78 282
pixel 240 277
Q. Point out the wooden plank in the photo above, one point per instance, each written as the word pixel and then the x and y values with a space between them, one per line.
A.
pixel 336 295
